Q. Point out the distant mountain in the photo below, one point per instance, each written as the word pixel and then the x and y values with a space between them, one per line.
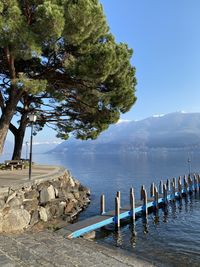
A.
pixel 172 131
pixel 8 147
pixel 43 147
pixel 38 148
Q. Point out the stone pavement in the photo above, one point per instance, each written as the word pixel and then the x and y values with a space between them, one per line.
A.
pixel 49 248
pixel 16 178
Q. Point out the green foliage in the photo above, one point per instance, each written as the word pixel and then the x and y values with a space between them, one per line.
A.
pixel 49 22
pixel 67 64
pixel 84 21
pixel 29 85
pixel 2 166
pixel 26 25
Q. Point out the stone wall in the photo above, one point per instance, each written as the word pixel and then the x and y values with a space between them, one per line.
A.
pixel 21 208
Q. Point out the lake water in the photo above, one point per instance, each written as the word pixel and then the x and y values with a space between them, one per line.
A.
pixel 171 237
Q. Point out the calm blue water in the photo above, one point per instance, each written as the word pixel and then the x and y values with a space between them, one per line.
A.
pixel 109 173
pixel 171 237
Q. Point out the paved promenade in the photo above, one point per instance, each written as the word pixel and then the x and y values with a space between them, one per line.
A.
pixel 16 178
pixel 52 249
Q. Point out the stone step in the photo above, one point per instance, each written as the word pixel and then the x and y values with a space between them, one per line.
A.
pixel 88 251
pixel 6 260
pixel 21 254
pixel 51 249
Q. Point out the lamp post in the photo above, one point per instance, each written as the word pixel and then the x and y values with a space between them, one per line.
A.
pixel 32 119
pixel 26 150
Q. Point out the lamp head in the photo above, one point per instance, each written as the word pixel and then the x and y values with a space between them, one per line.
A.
pixel 32 117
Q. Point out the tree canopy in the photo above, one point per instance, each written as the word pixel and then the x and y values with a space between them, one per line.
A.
pixel 59 59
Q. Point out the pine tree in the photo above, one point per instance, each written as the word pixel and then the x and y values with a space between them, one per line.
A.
pixel 58 58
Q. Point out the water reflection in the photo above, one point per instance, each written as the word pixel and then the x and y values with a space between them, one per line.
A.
pixel 145 225
pixel 170 234
pixel 186 203
pixel 117 238
pixel 165 213
pixel 173 209
pixel 133 235
pixel 156 217
pixel 180 204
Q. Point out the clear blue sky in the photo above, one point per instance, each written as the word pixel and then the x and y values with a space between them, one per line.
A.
pixel 165 36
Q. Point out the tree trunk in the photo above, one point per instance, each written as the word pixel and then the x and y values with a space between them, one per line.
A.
pixel 6 118
pixel 19 137
pixel 10 106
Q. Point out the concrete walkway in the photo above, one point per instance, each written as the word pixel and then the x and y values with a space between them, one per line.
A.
pixel 16 178
pixel 52 249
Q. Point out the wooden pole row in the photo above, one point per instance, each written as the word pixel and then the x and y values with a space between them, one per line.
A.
pixel 189 185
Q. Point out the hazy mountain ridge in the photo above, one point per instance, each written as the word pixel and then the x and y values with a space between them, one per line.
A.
pixel 38 148
pixel 171 131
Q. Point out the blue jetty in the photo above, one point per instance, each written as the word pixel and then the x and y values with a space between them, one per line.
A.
pixel 159 197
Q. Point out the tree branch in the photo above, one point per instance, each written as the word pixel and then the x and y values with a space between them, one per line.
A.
pixel 13 129
pixel 2 103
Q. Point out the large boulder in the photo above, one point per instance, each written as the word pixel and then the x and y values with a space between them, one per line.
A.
pixel 34 218
pixel 1 222
pixel 15 202
pixel 71 182
pixel 33 194
pixel 44 215
pixel 69 207
pixel 30 205
pixel 11 196
pixel 47 194
pixel 2 203
pixel 15 220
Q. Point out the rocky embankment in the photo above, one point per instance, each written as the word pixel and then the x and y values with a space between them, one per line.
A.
pixel 24 207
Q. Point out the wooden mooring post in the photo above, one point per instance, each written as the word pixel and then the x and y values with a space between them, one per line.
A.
pixel 144 198
pixel 179 187
pixel 132 205
pixel 152 190
pixel 173 190
pixel 168 185
pixel 165 194
pixel 119 196
pixel 155 197
pixel 117 213
pixel 161 187
pixel 102 204
pixel 174 181
pixel 142 192
pixel 190 184
pixel 195 183
pixel 185 183
pixel 198 180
